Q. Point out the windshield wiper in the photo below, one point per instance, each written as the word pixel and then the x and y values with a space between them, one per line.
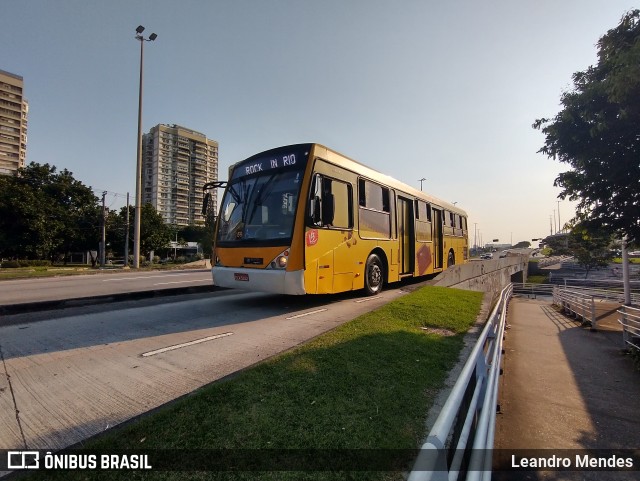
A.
pixel 265 189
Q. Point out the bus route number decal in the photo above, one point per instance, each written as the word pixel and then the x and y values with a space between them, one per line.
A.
pixel 312 237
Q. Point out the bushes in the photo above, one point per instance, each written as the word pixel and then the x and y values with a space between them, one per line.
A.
pixel 25 263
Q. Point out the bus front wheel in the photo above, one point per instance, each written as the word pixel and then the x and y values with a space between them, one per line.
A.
pixel 374 275
pixel 451 261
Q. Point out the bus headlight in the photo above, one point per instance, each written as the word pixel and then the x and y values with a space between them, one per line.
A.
pixel 281 261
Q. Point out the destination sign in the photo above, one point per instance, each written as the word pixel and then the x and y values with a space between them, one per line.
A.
pixel 271 160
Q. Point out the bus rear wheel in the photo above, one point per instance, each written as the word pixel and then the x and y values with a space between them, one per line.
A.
pixel 373 275
pixel 451 260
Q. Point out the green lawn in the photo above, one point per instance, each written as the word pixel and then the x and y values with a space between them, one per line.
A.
pixel 55 271
pixel 365 385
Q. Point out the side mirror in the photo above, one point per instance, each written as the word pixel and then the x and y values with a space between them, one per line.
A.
pixel 328 209
pixel 205 203
pixel 314 210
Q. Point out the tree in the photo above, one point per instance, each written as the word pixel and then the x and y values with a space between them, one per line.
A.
pixel 203 234
pixel 45 214
pixel 597 133
pixel 522 245
pixel 591 249
pixel 154 233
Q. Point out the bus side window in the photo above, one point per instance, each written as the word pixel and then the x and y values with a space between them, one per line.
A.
pixel 362 196
pixel 330 204
pixel 374 213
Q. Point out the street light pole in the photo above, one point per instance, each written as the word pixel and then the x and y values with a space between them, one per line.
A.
pixel 475 236
pixel 421 181
pixel 138 209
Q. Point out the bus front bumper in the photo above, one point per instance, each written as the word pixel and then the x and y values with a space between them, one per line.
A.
pixel 260 280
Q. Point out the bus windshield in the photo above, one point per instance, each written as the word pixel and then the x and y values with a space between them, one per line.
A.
pixel 260 208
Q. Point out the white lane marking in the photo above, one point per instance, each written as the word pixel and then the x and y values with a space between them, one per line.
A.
pixel 185 344
pixel 369 299
pixel 182 282
pixel 306 314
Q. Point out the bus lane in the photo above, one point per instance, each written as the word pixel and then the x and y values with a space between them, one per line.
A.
pixel 72 376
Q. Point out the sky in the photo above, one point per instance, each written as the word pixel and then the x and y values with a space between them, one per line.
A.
pixel 441 90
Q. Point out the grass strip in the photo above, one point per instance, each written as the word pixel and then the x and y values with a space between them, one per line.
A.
pixel 366 385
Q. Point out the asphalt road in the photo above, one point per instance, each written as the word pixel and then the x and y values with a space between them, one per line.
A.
pixel 79 371
pixel 21 291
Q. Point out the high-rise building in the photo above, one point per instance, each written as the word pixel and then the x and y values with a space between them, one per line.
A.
pixel 14 110
pixel 176 163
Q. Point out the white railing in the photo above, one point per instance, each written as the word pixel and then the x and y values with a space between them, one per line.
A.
pixel 474 399
pixel 578 304
pixel 533 289
pixel 630 321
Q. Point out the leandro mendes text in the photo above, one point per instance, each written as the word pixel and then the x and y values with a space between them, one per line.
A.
pixel 584 461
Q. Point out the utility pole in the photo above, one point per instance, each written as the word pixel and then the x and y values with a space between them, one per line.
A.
pixel 126 236
pixel 103 244
pixel 559 225
pixel 475 236
pixel 554 219
pixel 550 226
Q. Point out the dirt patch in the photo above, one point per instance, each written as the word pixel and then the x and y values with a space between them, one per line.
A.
pixel 439 331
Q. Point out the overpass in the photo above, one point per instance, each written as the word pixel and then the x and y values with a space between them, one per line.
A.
pixel 489 275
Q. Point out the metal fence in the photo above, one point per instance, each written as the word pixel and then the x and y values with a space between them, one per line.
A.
pixel 603 283
pixel 630 321
pixel 580 305
pixel 532 290
pixel 461 439
pixel 606 292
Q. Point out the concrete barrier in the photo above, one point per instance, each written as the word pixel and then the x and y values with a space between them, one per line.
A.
pixel 485 275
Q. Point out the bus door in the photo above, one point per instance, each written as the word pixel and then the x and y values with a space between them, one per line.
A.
pixel 406 236
pixel 437 239
pixel 330 239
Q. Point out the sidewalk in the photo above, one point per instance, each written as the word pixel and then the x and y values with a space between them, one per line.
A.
pixel 565 387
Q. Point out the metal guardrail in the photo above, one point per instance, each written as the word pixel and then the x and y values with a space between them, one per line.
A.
pixel 532 290
pixel 461 440
pixel 630 322
pixel 576 303
pixel 549 261
pixel 610 289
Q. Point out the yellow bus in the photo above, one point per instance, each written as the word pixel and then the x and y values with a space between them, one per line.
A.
pixel 304 219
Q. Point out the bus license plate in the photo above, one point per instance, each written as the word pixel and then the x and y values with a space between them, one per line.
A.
pixel 241 277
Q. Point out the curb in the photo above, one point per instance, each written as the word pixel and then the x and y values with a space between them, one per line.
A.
pixel 9 309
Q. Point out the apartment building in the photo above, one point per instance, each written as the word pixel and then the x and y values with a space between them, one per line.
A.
pixel 176 163
pixel 14 110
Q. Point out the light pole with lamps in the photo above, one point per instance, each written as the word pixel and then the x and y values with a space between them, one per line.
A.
pixel 421 181
pixel 138 210
pixel 559 225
